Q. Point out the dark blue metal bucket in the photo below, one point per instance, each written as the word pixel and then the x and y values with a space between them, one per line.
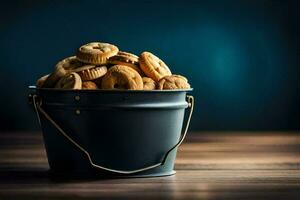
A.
pixel 116 133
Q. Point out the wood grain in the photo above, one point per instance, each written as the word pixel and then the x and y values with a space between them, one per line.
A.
pixel 209 165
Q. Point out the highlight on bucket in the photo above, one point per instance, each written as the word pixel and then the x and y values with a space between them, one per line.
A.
pixel 105 112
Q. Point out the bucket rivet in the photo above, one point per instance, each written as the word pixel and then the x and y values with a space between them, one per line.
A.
pixel 30 98
pixel 77 98
pixel 77 112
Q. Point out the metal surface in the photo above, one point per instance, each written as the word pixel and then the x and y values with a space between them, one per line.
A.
pixel 69 123
pixel 37 106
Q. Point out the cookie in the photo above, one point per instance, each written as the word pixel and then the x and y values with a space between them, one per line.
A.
pixel 98 81
pixel 53 78
pixel 69 81
pixel 125 58
pixel 70 63
pixel 94 73
pixel 149 83
pixel 173 82
pixel 96 53
pixel 40 82
pixel 82 68
pixel 89 85
pixel 62 68
pixel 153 67
pixel 122 77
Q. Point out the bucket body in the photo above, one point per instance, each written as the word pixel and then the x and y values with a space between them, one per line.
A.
pixel 120 130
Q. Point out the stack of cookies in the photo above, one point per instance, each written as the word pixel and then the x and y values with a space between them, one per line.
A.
pixel 102 66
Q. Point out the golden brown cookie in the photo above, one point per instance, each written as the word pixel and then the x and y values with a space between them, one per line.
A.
pixel 173 82
pixel 149 83
pixel 122 77
pixel 98 81
pixel 70 81
pixel 89 85
pixel 96 53
pixel 82 68
pixel 70 63
pixel 62 68
pixel 153 67
pixel 125 58
pixel 40 82
pixel 94 73
pixel 52 79
pixel 179 76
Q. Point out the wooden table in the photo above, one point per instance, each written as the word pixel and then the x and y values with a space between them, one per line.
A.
pixel 249 165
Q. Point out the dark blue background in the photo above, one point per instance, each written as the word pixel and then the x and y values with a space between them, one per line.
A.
pixel 242 57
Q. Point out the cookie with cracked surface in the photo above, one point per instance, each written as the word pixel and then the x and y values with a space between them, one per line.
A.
pixel 70 81
pixel 125 58
pixel 149 83
pixel 173 82
pixel 63 67
pixel 153 67
pixel 93 73
pixel 122 77
pixel 96 53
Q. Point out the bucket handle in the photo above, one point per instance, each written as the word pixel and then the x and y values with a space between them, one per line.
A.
pixel 37 102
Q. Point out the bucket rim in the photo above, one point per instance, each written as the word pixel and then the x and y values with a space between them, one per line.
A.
pixel 110 91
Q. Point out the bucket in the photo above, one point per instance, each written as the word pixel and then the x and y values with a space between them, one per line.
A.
pixel 112 133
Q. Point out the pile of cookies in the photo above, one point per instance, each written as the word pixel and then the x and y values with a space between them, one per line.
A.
pixel 102 66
